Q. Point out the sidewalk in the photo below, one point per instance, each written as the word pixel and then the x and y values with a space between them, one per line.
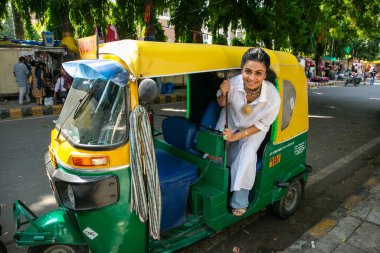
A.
pixel 353 227
pixel 10 109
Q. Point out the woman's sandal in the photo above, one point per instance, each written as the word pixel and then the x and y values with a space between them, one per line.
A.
pixel 239 211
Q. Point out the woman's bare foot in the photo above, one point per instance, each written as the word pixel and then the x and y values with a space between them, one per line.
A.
pixel 239 211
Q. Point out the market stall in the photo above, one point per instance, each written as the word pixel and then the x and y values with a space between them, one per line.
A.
pixel 9 55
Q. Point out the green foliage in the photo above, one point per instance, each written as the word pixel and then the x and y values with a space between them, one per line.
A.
pixel 219 39
pixel 292 25
pixel 4 10
pixel 187 17
pixel 6 26
pixel 237 42
pixel 124 14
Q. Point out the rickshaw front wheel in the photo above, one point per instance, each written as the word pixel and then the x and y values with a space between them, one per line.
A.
pixel 289 203
pixel 3 249
pixel 58 249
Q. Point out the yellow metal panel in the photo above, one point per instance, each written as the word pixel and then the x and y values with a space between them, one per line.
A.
pixel 63 151
pixel 299 122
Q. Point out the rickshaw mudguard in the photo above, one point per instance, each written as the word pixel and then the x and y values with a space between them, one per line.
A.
pixel 54 227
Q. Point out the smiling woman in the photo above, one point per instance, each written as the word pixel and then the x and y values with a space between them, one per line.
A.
pixel 253 104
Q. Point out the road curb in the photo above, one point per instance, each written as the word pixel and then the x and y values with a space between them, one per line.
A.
pixel 169 98
pixel 35 111
pixel 329 222
pixel 38 111
pixel 329 83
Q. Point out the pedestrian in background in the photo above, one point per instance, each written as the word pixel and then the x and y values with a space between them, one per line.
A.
pixel 21 72
pixel 62 85
pixel 372 73
pixel 311 70
pixel 38 86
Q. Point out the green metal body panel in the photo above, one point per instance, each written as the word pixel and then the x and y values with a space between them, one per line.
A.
pixel 54 227
pixel 180 237
pixel 292 163
pixel 117 228
pixel 210 143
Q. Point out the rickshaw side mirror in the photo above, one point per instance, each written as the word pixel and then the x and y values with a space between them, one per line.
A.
pixel 148 90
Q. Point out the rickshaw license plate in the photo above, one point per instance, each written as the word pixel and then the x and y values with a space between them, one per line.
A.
pixel 274 160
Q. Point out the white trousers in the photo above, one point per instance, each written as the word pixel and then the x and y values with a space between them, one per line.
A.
pixel 242 157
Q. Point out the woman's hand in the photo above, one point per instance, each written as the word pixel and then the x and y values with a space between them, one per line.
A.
pixel 229 136
pixel 225 87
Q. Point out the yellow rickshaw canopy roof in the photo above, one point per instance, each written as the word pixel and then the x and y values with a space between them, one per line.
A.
pixel 144 59
pixel 151 59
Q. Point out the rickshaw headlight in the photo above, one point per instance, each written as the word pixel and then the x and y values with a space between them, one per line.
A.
pixel 85 193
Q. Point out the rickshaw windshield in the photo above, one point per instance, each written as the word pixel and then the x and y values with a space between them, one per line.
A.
pixel 94 113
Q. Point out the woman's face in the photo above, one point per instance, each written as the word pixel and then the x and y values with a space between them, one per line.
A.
pixel 253 73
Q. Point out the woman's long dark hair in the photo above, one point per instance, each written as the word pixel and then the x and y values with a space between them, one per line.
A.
pixel 271 76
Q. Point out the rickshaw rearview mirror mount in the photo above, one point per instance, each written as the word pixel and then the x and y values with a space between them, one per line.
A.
pixel 148 90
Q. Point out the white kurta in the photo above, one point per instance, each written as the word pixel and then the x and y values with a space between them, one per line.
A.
pixel 242 154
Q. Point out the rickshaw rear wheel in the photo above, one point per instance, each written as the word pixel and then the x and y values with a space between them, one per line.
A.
pixel 58 249
pixel 289 203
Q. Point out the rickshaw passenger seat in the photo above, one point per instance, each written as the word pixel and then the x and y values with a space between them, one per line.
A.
pixel 210 116
pixel 175 174
pixel 179 132
pixel 182 132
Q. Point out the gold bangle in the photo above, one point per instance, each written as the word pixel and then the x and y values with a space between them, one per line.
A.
pixel 245 133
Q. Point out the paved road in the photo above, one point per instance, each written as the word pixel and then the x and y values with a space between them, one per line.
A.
pixel 342 119
pixel 22 175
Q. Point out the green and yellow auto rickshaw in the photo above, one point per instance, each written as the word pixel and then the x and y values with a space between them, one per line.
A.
pixel 99 139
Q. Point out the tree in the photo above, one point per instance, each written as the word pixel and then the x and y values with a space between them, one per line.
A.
pixel 7 30
pixel 188 18
pixel 352 24
pixel 19 27
pixel 302 27
pixel 124 17
pixel 3 13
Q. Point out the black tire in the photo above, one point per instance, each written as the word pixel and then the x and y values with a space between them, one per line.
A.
pixel 289 203
pixel 3 249
pixel 356 81
pixel 58 248
pixel 345 83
